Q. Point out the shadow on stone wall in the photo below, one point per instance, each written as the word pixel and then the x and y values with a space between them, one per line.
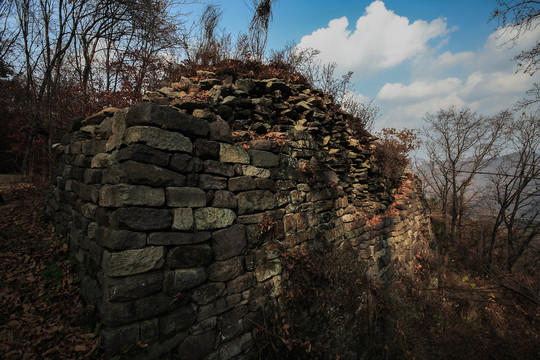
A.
pixel 179 210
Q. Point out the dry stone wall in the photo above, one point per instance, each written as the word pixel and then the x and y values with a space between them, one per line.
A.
pixel 179 209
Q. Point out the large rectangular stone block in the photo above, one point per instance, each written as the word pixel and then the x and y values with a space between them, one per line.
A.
pixel 213 218
pixel 263 159
pixel 255 201
pixel 211 182
pixel 143 153
pixel 229 242
pixel 132 287
pixel 149 113
pixel 218 168
pixel 226 270
pixel 120 239
pixel 242 183
pixel 233 154
pixel 189 256
pixel 148 174
pixel 120 313
pixel 184 279
pixel 141 219
pixel 185 197
pixel 130 262
pixel 123 195
pixel 178 238
pixel 158 138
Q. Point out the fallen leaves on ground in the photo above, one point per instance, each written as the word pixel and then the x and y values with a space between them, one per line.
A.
pixel 40 303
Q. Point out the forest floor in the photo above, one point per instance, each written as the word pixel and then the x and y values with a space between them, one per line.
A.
pixel 42 315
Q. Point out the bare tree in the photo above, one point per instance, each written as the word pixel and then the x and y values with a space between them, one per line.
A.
pixel 532 98
pixel 515 192
pixel 47 29
pixel 459 144
pixel 258 27
pixel 520 16
pixel 59 48
pixel 204 48
pixel 436 176
pixel 8 37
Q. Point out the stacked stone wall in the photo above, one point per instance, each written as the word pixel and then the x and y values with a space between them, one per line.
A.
pixel 178 210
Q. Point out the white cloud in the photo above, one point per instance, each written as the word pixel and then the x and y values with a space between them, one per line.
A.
pixel 487 93
pixel 418 90
pixel 381 40
pixel 409 115
pixel 488 82
pixel 430 65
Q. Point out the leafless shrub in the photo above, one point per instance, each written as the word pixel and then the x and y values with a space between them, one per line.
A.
pixel 258 27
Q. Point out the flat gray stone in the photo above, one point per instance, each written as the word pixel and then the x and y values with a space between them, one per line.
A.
pixel 185 197
pixel 263 159
pixel 218 168
pixel 178 238
pixel 249 170
pixel 148 174
pixel 190 256
pixel 149 113
pixel 213 218
pixel 229 242
pixel 211 182
pixel 120 239
pixel 253 201
pixel 144 154
pixel 224 199
pixel 182 219
pixel 132 287
pixel 184 279
pixel 226 270
pixel 233 154
pixel 242 183
pixel 158 138
pixel 141 219
pixel 124 195
pixel 131 262
pixel 120 313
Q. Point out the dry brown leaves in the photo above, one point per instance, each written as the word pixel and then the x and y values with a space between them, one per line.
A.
pixel 240 137
pixel 39 296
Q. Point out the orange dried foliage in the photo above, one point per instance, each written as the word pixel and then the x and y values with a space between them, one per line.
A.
pixel 268 223
pixel 279 138
pixel 402 193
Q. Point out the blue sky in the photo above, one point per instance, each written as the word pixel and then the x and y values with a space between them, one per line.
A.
pixel 412 57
